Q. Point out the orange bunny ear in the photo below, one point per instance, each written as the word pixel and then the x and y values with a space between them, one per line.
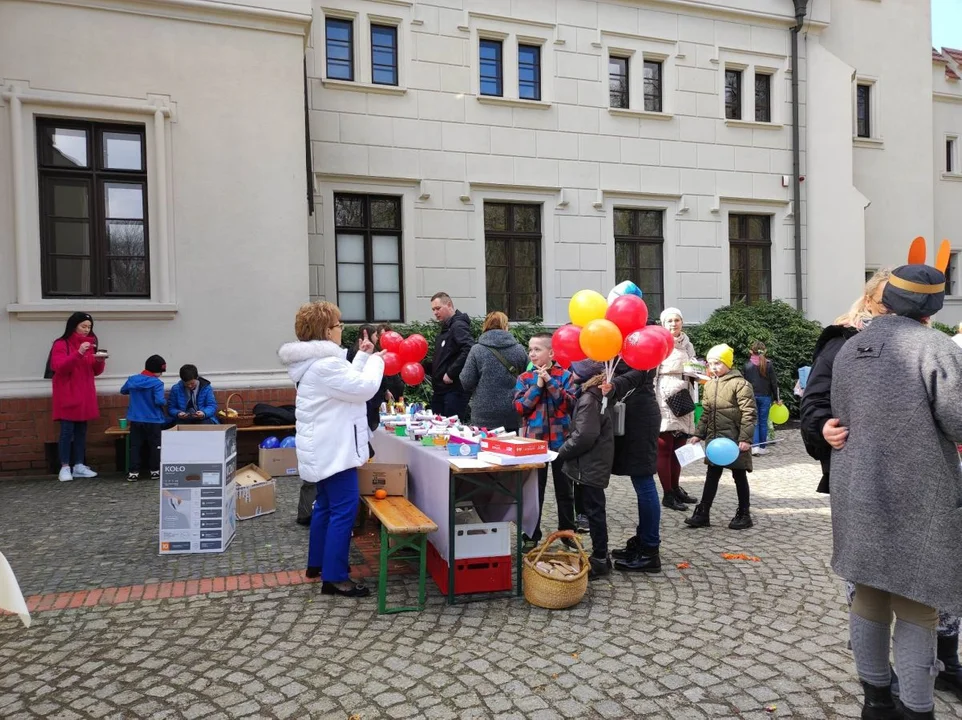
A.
pixel 917 251
pixel 942 259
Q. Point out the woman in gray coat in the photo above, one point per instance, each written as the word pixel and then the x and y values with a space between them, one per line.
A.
pixel 490 373
pixel 896 489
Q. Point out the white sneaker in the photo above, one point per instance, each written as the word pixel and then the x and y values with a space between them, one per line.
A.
pixel 762 451
pixel 755 451
pixel 65 474
pixel 83 471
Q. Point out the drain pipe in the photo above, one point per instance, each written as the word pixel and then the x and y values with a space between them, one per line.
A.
pixel 801 7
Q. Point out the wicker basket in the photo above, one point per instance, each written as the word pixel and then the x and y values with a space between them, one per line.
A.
pixel 242 419
pixel 551 592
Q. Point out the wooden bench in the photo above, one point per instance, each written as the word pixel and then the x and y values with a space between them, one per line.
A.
pixel 409 527
pixel 125 433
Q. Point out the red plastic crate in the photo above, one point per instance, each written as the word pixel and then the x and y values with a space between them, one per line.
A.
pixel 471 575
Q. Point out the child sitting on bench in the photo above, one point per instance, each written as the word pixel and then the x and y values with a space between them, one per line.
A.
pixel 191 401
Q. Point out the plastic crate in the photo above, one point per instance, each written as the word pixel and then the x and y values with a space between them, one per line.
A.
pixel 471 575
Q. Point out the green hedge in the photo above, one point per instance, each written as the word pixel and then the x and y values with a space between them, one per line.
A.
pixel 947 329
pixel 422 393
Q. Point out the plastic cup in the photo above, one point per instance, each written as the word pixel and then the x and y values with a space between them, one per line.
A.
pixel 123 423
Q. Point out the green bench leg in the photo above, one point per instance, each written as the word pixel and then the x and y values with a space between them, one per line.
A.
pixel 418 542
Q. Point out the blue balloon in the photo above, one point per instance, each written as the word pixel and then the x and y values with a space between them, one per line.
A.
pixel 288 442
pixel 269 443
pixel 722 451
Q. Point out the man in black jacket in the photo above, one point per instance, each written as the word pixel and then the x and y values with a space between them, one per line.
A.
pixel 451 349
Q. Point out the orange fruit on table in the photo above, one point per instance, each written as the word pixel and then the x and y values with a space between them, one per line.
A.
pixel 380 494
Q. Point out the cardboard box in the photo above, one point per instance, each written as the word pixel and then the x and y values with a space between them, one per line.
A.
pixel 278 462
pixel 197 490
pixel 255 492
pixel 514 447
pixel 377 476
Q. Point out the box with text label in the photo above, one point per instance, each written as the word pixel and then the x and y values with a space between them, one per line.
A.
pixel 383 476
pixel 278 462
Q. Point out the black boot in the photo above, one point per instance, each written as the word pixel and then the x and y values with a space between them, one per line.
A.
pixel 700 518
pixel 684 497
pixel 742 520
pixel 647 560
pixel 672 502
pixel 950 678
pixel 628 552
pixel 906 714
pixel 599 567
pixel 879 704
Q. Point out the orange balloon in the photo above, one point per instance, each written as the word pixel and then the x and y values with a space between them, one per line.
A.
pixel 380 494
pixel 601 340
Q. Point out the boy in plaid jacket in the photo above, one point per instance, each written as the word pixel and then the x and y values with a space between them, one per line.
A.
pixel 544 398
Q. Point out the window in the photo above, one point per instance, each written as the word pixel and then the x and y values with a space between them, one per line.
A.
pixel 339 35
pixel 492 78
pixel 863 110
pixel 763 97
pixel 652 86
pixel 733 94
pixel 384 55
pixel 618 82
pixel 950 163
pixel 512 254
pixel 529 72
pixel 93 209
pixel 639 256
pixel 950 273
pixel 368 245
pixel 750 252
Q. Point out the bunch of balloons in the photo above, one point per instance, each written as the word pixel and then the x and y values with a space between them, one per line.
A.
pixel 404 356
pixel 604 329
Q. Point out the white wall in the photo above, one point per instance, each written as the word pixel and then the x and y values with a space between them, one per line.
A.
pixel 445 150
pixel 947 122
pixel 236 189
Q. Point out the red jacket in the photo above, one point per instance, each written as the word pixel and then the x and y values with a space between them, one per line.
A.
pixel 74 393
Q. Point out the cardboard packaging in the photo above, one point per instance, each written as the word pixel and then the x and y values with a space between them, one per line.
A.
pixel 514 447
pixel 278 462
pixel 197 491
pixel 256 492
pixel 383 476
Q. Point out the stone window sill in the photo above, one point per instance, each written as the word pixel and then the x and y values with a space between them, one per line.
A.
pixel 954 177
pixel 754 125
pixel 364 87
pixel 645 114
pixel 870 143
pixel 513 102
pixel 100 309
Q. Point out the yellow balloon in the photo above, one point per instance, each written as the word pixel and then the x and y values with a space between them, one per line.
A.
pixel 601 340
pixel 585 306
pixel 779 414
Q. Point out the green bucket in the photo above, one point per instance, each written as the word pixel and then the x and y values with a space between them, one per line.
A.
pixel 698 412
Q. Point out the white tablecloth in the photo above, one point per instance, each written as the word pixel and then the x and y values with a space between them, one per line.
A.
pixel 428 486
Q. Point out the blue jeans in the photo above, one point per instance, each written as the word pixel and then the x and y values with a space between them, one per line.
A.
pixel 764 405
pixel 334 512
pixel 649 510
pixel 72 434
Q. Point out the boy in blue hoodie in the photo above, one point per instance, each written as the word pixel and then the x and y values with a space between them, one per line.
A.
pixel 145 416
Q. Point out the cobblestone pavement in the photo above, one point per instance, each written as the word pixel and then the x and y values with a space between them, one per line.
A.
pixel 720 639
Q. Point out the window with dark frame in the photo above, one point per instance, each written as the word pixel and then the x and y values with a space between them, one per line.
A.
pixel 492 69
pixel 512 253
pixel 384 55
pixel 750 255
pixel 763 97
pixel 339 39
pixel 950 155
pixel 618 82
pixel 950 273
pixel 367 231
pixel 733 94
pixel 94 239
pixel 639 253
pixel 653 85
pixel 863 110
pixel 529 72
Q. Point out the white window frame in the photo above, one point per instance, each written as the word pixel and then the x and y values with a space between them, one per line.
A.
pixel 782 256
pixel 511 33
pixel 956 172
pixel 956 276
pixel 638 49
pixel 156 113
pixel 875 139
pixel 750 64
pixel 361 45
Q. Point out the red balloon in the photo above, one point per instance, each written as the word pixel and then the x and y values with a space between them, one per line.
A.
pixel 392 363
pixel 629 313
pixel 413 349
pixel 666 336
pixel 391 341
pixel 563 360
pixel 644 349
pixel 412 374
pixel 566 343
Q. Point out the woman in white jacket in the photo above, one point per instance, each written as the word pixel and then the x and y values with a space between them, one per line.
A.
pixel 675 430
pixel 332 434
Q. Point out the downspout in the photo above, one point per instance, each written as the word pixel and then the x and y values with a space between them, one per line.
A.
pixel 801 7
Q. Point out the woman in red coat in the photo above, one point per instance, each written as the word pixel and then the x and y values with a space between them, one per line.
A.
pixel 74 363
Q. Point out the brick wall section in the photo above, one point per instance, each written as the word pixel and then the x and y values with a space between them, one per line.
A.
pixel 26 426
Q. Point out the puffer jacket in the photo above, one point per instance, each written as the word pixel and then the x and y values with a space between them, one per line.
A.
pixel 670 380
pixel 590 448
pixel 332 431
pixel 492 404
pixel 74 391
pixel 729 412
pixel 636 452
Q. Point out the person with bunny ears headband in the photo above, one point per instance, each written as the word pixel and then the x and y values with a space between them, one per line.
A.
pixel 896 484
